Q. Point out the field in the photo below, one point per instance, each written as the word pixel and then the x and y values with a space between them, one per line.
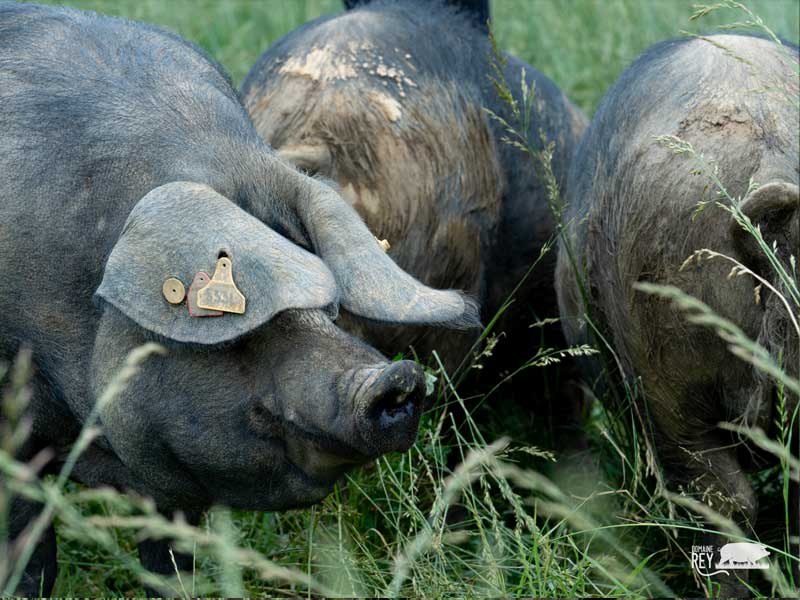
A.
pixel 583 45
pixel 507 521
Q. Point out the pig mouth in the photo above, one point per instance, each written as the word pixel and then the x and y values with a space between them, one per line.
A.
pixel 322 442
pixel 325 457
pixel 319 456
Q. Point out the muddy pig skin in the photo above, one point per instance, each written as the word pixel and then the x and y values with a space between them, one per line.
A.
pixel 127 159
pixel 389 100
pixel 632 217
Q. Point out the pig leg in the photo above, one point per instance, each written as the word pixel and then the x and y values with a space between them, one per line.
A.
pixel 794 529
pixel 155 556
pixel 710 470
pixel 40 572
pixel 794 515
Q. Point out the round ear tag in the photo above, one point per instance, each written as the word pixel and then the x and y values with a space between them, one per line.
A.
pixel 174 291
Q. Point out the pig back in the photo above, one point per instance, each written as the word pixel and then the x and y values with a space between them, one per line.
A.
pixel 94 113
pixel 637 210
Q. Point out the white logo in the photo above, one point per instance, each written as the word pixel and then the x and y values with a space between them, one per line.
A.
pixel 737 555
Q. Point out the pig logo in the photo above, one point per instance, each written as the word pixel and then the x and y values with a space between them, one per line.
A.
pixel 742 555
pixel 737 555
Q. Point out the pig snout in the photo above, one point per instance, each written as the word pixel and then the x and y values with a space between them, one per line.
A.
pixel 388 403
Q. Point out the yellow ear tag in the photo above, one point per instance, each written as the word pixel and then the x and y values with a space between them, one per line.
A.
pixel 221 293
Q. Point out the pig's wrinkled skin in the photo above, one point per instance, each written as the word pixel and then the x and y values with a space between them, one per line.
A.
pixel 630 219
pixel 126 159
pixel 389 100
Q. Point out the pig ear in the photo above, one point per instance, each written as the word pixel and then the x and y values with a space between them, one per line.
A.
pixel 775 209
pixel 313 158
pixel 180 229
pixel 370 284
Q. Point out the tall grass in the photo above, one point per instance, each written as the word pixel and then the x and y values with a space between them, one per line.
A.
pixel 407 526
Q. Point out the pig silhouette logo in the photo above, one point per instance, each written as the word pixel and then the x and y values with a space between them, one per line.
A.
pixel 742 555
pixel 737 555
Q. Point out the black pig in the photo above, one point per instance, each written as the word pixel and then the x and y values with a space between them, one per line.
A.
pixel 127 159
pixel 388 100
pixel 631 218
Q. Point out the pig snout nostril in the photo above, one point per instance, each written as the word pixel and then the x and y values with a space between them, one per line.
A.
pixel 392 400
pixel 391 407
pixel 393 404
pixel 400 398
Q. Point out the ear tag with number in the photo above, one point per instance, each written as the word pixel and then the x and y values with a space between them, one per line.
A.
pixel 221 293
pixel 200 281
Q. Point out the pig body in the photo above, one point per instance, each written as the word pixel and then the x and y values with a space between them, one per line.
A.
pixel 389 100
pixel 632 217
pixel 128 159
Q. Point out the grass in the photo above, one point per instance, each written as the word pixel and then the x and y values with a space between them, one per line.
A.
pixel 507 521
pixel 583 45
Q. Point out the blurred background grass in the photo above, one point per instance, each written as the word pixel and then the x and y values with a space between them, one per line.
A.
pixel 583 45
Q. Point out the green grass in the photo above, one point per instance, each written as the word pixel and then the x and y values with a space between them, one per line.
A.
pixel 406 524
pixel 583 45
